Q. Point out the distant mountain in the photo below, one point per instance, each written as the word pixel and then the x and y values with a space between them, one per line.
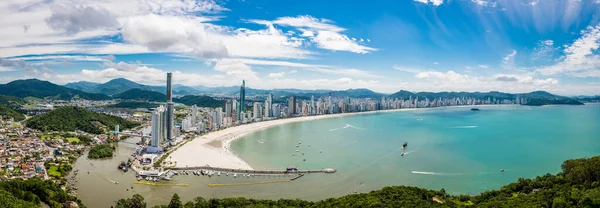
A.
pixel 201 101
pixel 133 105
pixel 142 95
pixel 44 89
pixel 120 85
pixel 82 85
pixel 77 118
pixel 535 98
pixel 590 99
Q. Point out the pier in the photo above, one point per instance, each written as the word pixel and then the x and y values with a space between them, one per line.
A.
pixel 324 170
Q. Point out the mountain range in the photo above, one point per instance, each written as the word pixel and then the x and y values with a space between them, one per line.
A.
pixel 129 90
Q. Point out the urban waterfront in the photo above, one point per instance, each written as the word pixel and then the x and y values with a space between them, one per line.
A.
pixel 456 149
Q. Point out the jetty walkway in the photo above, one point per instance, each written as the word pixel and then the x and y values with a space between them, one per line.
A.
pixel 325 170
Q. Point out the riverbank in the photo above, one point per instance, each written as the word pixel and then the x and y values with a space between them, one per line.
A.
pixel 213 149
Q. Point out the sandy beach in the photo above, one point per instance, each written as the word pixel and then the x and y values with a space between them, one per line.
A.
pixel 213 148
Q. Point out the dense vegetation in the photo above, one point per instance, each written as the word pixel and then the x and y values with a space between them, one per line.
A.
pixel 578 185
pixel 6 113
pixel 77 118
pixel 143 95
pixel 101 151
pixel 120 85
pixel 11 102
pixel 202 101
pixel 32 192
pixel 133 105
pixel 45 89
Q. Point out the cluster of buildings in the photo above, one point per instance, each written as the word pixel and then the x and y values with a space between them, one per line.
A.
pixel 238 111
pixel 163 128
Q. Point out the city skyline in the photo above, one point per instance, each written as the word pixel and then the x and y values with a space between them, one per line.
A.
pixel 415 45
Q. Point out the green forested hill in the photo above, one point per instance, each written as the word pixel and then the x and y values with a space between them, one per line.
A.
pixel 139 94
pixel 44 89
pixel 77 118
pixel 578 185
pixel 32 192
pixel 202 101
pixel 10 113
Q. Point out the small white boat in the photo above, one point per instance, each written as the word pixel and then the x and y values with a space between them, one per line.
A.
pixel 116 182
pixel 321 151
pixel 218 173
pixel 402 154
pixel 235 175
pixel 226 174
pixel 297 150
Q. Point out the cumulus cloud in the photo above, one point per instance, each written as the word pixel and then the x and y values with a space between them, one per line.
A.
pixel 434 2
pixel 276 75
pixel 452 81
pixel 236 69
pixel 406 69
pixel 73 19
pixel 322 32
pixel 579 59
pixel 171 33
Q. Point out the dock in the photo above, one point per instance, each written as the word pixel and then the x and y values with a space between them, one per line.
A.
pixel 324 170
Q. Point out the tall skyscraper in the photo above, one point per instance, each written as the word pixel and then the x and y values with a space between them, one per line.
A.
pixel 158 128
pixel 292 106
pixel 257 110
pixel 268 106
pixel 170 108
pixel 194 118
pixel 242 100
pixel 228 108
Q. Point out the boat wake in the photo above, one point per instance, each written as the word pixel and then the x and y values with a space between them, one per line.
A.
pixel 435 173
pixel 261 141
pixel 345 127
pixel 463 127
pixel 406 153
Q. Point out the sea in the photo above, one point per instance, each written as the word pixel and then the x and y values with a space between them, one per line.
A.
pixel 455 149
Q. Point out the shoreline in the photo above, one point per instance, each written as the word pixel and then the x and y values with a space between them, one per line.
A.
pixel 202 150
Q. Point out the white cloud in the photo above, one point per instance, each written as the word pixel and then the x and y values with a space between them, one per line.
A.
pixel 436 63
pixel 321 32
pixel 483 2
pixel 579 59
pixel 434 2
pixel 452 81
pixel 276 75
pixel 236 69
pixel 5 69
pixel 171 33
pixel 510 56
pixel 72 19
pixel 483 66
pixel 544 50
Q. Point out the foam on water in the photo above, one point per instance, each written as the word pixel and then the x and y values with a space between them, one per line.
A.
pixel 463 127
pixel 345 127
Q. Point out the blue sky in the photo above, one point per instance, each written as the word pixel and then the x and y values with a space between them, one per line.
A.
pixel 386 46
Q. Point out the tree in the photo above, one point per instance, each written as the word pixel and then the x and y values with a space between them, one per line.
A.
pixel 136 201
pixel 175 202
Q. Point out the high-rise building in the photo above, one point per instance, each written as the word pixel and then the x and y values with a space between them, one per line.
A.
pixel 228 108
pixel 242 100
pixel 257 110
pixel 158 128
pixel 194 118
pixel 268 105
pixel 170 108
pixel 276 111
pixel 292 105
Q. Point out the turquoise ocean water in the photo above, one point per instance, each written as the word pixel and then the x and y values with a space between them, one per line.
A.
pixel 456 149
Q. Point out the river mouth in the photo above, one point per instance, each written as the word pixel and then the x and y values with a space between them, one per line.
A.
pixel 367 154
